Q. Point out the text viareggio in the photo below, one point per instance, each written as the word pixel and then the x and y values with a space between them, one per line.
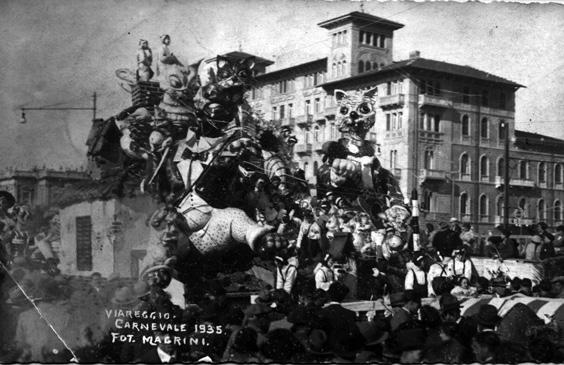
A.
pixel 191 140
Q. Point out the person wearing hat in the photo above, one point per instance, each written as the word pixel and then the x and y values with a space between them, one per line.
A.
pixel 323 273
pixel 460 265
pixel 442 240
pixel 416 277
pixel 406 312
pixel 286 271
pixel 558 286
pixel 487 318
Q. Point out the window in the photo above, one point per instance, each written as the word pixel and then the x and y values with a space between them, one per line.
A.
pixel 360 66
pixel 316 134
pixel 485 98
pixel 308 107
pixel 334 69
pixel 375 39
pixel 500 167
pixel 465 125
pixel 84 243
pixel 428 162
pixel 523 170
pixel 315 167
pixel 484 166
pixel 394 121
pixel 524 207
pixel 464 165
pixel 400 86
pixel 484 132
pixel 393 158
pixel 558 174
pixel 25 195
pixel 437 90
pixel 307 137
pixel 368 66
pixel 282 110
pixel 317 105
pixel 290 110
pixel 306 169
pixel 361 36
pixel 542 173
pixel 388 88
pixel 557 211
pixel 344 67
pixel 541 215
pixel 427 195
pixel 466 95
pixel 464 207
pixel 499 206
pixel 382 41
pixel 437 123
pixel 388 122
pixel 274 112
pixel 400 120
pixel 483 206
pixel 368 38
pixel 502 130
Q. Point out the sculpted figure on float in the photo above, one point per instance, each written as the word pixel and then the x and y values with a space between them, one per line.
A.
pixel 205 157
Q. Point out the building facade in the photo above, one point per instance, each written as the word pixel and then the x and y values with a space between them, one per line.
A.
pixel 439 127
pixel 39 187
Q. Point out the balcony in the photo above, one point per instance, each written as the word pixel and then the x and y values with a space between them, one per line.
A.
pixel 304 120
pixel 397 173
pixel 330 112
pixel 498 220
pixel 558 186
pixel 428 175
pixel 303 148
pixel 526 183
pixel 290 122
pixel 432 100
pixel 391 101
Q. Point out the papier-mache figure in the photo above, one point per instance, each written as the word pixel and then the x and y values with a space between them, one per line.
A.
pixel 144 61
pixel 166 56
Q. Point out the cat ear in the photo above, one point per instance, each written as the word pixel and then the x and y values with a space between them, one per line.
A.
pixel 222 61
pixel 249 62
pixel 371 93
pixel 339 94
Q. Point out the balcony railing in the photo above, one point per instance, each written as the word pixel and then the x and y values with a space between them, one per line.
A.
pixel 527 183
pixel 291 121
pixel 331 111
pixel 432 100
pixel 391 101
pixel 304 120
pixel 558 186
pixel 317 146
pixel 302 148
pixel 429 174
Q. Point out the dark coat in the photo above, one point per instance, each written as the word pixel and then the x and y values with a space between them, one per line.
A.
pixel 343 334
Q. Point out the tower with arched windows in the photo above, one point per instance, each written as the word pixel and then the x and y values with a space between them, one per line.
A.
pixel 360 43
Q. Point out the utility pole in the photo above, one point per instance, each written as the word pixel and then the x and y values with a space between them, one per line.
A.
pixel 506 177
pixel 94 99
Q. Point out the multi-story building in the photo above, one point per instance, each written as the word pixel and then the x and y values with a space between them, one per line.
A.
pixel 439 127
pixel 39 187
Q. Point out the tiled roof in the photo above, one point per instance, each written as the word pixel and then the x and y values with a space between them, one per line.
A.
pixel 358 17
pixel 431 65
pixel 319 63
pixel 538 142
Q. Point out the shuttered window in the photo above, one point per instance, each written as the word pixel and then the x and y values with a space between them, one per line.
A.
pixel 84 243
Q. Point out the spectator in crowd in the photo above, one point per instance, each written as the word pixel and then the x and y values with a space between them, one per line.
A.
pixel 542 231
pixel 286 272
pixel 485 346
pixel 532 249
pixel 442 240
pixel 460 265
pixel 463 288
pixel 543 289
pixel 558 287
pixel 416 277
pixel 406 312
pixel 469 238
pixel 482 286
pixel 487 318
pixel 526 287
pixel 323 273
pixel 559 237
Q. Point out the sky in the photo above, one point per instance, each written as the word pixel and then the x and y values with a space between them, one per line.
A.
pixel 58 52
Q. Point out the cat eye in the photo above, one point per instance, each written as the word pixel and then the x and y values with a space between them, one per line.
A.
pixel 364 108
pixel 344 110
pixel 175 82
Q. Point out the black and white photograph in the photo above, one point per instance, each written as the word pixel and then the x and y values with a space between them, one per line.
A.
pixel 281 181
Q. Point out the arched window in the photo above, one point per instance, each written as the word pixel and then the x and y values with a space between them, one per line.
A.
pixel 499 206
pixel 344 67
pixel 465 125
pixel 464 205
pixel 306 169
pixel 483 206
pixel 500 167
pixel 523 170
pixel 360 66
pixel 368 66
pixel 501 129
pixel 558 174
pixel 524 207
pixel 542 173
pixel 316 134
pixel 368 38
pixel 361 36
pixel 428 162
pixel 484 128
pixel 464 165
pixel 484 166
pixel 557 211
pixel 541 215
pixel 334 69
